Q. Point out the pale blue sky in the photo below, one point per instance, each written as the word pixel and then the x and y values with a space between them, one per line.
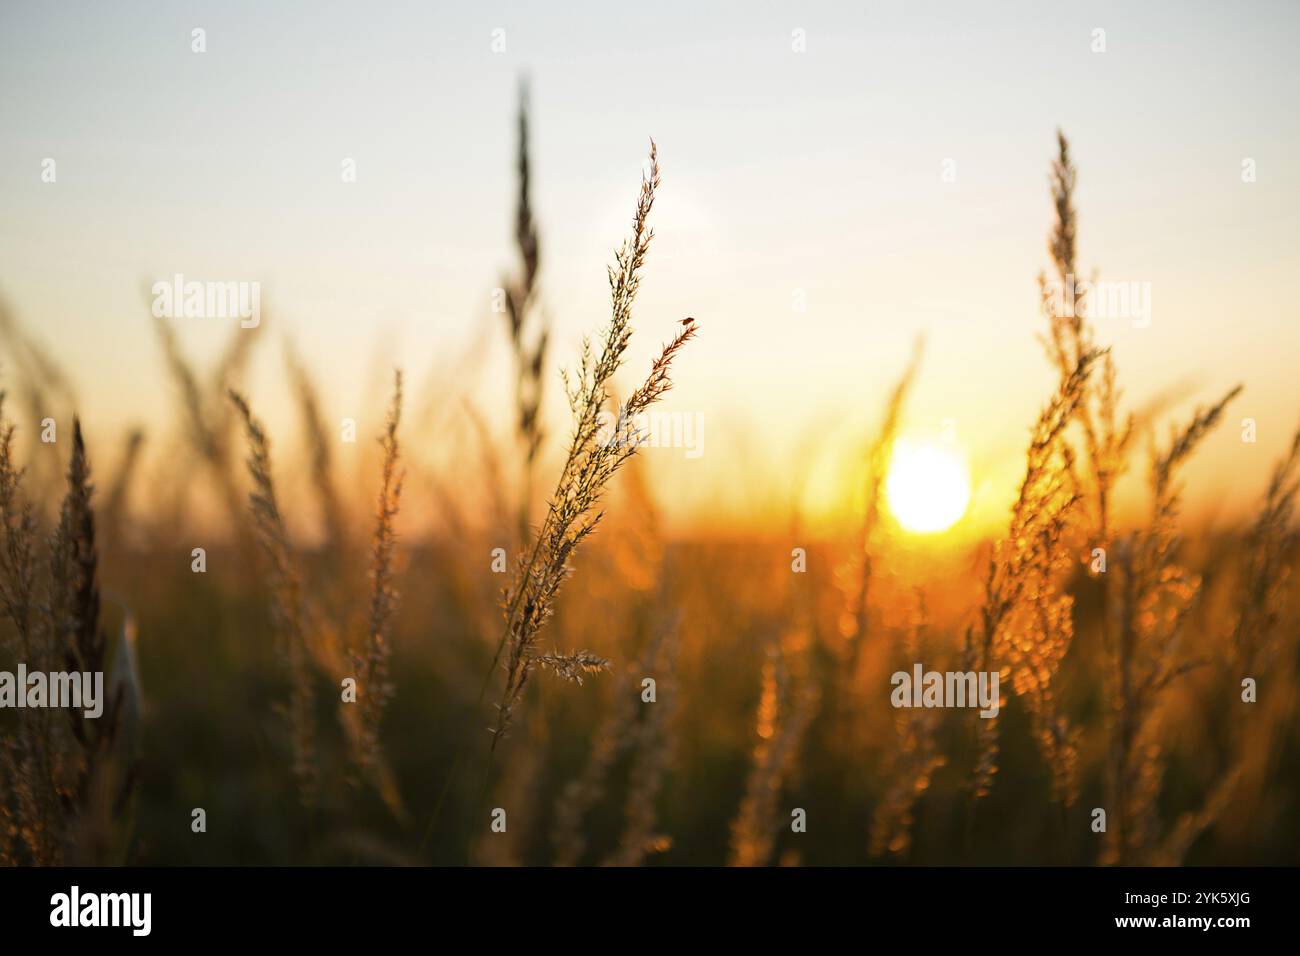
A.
pixel 817 171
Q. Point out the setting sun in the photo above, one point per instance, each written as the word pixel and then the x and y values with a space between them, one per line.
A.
pixel 928 487
pixel 612 483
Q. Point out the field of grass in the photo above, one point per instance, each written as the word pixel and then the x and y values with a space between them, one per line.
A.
pixel 399 691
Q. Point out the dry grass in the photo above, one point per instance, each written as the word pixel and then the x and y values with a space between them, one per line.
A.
pixel 1156 596
pixel 288 610
pixel 910 768
pixel 207 416
pixel 787 706
pixel 1121 689
pixel 372 663
pixel 65 786
pixel 310 644
pixel 877 466
pixel 317 435
pixel 647 736
pixel 591 462
pixel 1025 625
pixel 528 326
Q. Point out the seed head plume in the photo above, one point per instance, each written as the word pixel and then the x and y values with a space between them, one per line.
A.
pixel 913 764
pixel 75 568
pixel 206 418
pixel 200 432
pixel 592 460
pixel 786 707
pixel 1256 639
pixel 1156 595
pixel 321 448
pixel 573 665
pixel 372 664
pixel 74 604
pixel 31 802
pixel 1070 337
pixel 1025 623
pixel 522 313
pixel 43 385
pixel 622 730
pixel 287 603
pixel 1106 434
pixel 114 510
pixel 877 464
pixel 17 555
pixel 652 748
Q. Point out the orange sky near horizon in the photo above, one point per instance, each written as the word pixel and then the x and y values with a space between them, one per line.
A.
pixel 821 207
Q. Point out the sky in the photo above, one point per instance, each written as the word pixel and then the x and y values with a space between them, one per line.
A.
pixel 838 178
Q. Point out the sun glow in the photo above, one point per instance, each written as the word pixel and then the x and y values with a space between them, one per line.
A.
pixel 928 487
